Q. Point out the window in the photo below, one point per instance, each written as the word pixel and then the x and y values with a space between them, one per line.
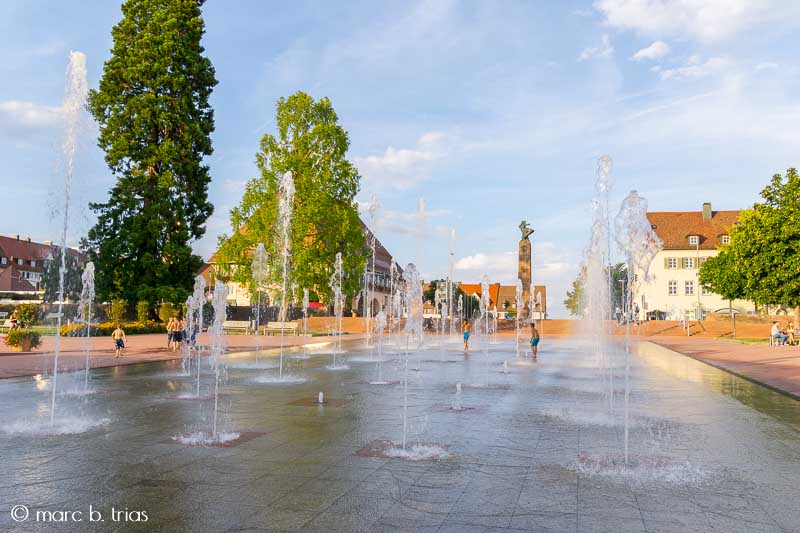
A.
pixel 706 291
pixel 3 260
pixel 673 288
pixel 688 262
pixel 672 262
pixel 33 262
pixel 694 240
pixel 688 288
pixel 725 239
pixel 20 262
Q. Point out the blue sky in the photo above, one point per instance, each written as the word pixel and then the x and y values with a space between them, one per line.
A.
pixel 492 112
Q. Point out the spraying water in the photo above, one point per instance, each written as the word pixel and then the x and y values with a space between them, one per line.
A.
pixel 413 329
pixel 484 305
pixel 196 322
pixel 338 302
pixel 450 266
pixel 220 303
pixel 75 93
pixel 285 203
pixel 369 272
pixel 640 245
pixel 380 325
pixel 259 271
pixel 85 309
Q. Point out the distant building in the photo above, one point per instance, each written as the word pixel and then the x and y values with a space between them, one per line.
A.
pixel 689 238
pixel 22 265
pixel 502 299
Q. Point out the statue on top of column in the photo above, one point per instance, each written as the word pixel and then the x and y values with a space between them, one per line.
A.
pixel 526 230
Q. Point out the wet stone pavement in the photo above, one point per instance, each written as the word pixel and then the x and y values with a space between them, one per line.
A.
pixel 540 449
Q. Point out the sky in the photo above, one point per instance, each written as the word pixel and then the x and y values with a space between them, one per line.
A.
pixel 492 112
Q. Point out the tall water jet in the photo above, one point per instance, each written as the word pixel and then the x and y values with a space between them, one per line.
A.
pixel 196 323
pixel 75 93
pixel 392 274
pixel 285 203
pixel 484 305
pixel 369 270
pixel 380 325
pixel 520 304
pixel 338 303
pixel 461 310
pixel 397 304
pixel 413 329
pixel 450 266
pixel 596 275
pixel 640 245
pixel 85 309
pixel 220 304
pixel 259 272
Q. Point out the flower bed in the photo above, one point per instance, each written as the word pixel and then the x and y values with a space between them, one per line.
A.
pixel 106 328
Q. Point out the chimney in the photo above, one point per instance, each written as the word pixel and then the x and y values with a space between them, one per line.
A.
pixel 28 238
pixel 17 237
pixel 707 211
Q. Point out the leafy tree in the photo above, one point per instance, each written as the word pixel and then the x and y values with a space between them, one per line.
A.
pixel 618 277
pixel 720 275
pixel 72 276
pixel 155 126
pixel 765 246
pixel 311 145
pixel 142 311
pixel 118 308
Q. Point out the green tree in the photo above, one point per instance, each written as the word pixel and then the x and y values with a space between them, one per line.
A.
pixel 720 275
pixel 618 277
pixel 311 145
pixel 765 246
pixel 155 126
pixel 72 276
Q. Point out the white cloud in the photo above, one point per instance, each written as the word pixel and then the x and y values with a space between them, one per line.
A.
pixel 29 115
pixel 766 66
pixel 654 51
pixel 603 50
pixel 403 168
pixel 704 20
pixel 695 68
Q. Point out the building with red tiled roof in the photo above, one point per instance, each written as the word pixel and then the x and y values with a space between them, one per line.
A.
pixel 672 289
pixel 22 264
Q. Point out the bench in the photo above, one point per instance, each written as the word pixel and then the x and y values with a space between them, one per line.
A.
pixel 281 327
pixel 237 325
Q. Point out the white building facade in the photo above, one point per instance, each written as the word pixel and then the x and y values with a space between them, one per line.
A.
pixel 672 290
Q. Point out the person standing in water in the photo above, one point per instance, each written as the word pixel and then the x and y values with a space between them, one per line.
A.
pixel 467 329
pixel 119 340
pixel 534 340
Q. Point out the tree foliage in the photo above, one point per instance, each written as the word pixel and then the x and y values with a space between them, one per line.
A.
pixel 155 126
pixel 617 275
pixel 72 276
pixel 720 275
pixel 311 145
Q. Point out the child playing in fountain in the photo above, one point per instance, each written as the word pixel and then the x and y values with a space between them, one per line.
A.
pixel 467 329
pixel 534 340
pixel 119 340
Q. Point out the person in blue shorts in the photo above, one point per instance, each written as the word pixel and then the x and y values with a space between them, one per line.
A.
pixel 534 340
pixel 467 329
pixel 119 340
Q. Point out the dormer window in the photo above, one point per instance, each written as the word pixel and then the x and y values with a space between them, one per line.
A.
pixel 725 239
pixel 20 262
pixel 3 260
pixel 33 262
pixel 694 240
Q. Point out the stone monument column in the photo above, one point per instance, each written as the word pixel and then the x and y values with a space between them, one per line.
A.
pixel 524 266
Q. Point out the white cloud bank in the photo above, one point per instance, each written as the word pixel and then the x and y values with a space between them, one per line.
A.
pixel 404 168
pixel 29 115
pixel 604 49
pixel 655 51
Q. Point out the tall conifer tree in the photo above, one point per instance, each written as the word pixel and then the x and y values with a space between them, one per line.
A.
pixel 155 126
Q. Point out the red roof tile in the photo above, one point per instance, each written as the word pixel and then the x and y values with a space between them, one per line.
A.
pixel 674 228
pixel 12 281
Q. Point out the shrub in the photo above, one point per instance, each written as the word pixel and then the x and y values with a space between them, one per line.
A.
pixel 106 328
pixel 167 310
pixel 142 311
pixel 27 315
pixel 118 310
pixel 15 338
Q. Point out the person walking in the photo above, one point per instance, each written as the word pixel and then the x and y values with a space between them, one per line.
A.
pixel 534 340
pixel 170 331
pixel 467 329
pixel 177 334
pixel 118 335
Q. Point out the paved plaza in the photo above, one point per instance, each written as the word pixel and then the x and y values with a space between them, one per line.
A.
pixel 538 449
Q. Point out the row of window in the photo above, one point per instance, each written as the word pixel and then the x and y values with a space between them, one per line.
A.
pixel 688 288
pixel 673 263
pixel 694 240
pixel 20 262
